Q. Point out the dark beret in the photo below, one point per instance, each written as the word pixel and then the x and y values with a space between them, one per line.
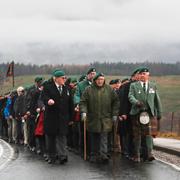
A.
pixel 135 71
pixel 73 80
pixel 39 79
pixel 143 69
pixel 98 75
pixel 91 70
pixel 114 81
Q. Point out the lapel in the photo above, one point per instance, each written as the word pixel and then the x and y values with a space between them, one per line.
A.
pixel 141 90
pixel 56 90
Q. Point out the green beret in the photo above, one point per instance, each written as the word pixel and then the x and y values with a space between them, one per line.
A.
pixel 55 71
pixel 143 69
pixel 98 75
pixel 38 79
pixel 91 70
pixel 136 71
pixel 73 80
pixel 114 81
pixel 58 73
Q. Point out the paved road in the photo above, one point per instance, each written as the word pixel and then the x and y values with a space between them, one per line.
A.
pixel 24 165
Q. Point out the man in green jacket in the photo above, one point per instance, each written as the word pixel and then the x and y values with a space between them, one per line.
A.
pixel 81 86
pixel 99 105
pixel 146 109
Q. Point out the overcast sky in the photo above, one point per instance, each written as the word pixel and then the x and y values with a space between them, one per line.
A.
pixel 133 30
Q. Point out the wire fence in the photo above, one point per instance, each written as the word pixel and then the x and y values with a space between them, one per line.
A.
pixel 170 122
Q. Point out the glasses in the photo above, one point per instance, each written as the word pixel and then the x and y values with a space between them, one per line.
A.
pixel 63 77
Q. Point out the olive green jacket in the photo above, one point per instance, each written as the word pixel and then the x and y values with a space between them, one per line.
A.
pixel 100 104
pixel 150 99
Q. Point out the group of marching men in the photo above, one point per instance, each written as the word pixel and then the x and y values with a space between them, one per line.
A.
pixel 89 116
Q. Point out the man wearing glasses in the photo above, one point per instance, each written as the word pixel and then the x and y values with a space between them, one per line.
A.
pixel 58 113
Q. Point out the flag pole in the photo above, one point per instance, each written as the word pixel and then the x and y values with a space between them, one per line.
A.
pixel 13 73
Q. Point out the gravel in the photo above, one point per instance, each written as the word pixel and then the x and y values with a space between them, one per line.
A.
pixel 169 158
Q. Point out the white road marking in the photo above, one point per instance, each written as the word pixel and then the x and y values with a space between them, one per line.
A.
pixel 172 165
pixel 4 164
pixel 1 150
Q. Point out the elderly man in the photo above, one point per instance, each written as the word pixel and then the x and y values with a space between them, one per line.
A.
pixel 19 111
pixel 146 109
pixel 81 86
pixel 58 112
pixel 125 124
pixel 99 105
pixel 31 99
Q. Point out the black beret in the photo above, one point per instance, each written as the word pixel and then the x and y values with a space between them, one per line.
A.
pixel 91 70
pixel 135 71
pixel 143 69
pixel 114 81
pixel 98 75
pixel 39 79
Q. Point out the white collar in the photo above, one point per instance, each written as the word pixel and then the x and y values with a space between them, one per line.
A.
pixel 146 84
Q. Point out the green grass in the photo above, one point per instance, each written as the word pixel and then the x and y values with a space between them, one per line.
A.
pixel 168 86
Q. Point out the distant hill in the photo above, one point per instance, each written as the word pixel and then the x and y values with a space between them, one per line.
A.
pixel 108 68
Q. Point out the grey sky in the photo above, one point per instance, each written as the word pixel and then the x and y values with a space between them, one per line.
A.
pixel 70 30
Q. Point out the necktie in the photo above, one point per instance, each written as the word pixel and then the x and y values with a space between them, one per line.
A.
pixel 60 90
pixel 144 87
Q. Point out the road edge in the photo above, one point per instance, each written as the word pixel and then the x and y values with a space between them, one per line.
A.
pixel 10 156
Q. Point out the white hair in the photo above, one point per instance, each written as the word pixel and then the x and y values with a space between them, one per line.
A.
pixel 20 88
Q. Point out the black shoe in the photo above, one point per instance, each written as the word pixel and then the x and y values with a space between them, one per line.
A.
pixel 46 158
pixel 51 161
pixel 10 141
pixel 38 152
pixel 63 159
pixel 151 158
pixel 93 159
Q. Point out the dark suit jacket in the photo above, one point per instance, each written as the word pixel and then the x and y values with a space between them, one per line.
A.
pixel 58 115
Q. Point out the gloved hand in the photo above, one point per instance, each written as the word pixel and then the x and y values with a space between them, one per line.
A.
pixel 83 116
pixel 139 104
pixel 114 119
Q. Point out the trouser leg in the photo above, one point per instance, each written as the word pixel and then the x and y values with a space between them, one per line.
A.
pixel 136 136
pixel 61 145
pixel 51 146
pixel 1 131
pixel 103 143
pixel 31 136
pixel 94 143
pixel 9 122
pixel 19 130
pixel 25 129
pixel 15 130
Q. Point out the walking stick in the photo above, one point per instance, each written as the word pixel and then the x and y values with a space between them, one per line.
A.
pixel 85 155
pixel 114 136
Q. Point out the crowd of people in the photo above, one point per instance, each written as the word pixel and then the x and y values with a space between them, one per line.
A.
pixel 86 116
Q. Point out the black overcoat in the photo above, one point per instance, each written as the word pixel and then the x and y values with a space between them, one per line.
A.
pixel 58 115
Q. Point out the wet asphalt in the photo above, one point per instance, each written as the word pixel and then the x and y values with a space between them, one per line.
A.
pixel 26 165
